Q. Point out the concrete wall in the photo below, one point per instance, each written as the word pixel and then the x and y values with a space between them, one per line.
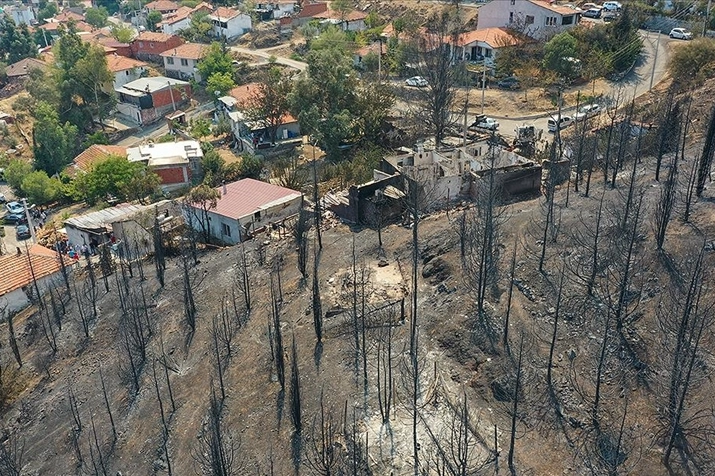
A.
pixel 513 181
pixel 19 299
pixel 127 76
pixel 180 71
pixel 235 27
pixel 150 50
pixel 173 28
pixel 498 13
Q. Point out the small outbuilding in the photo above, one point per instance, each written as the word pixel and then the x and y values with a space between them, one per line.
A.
pixel 243 208
pixel 20 269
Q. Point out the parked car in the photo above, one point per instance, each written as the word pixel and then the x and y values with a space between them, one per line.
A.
pixel 587 6
pixel 592 13
pixel 563 122
pixel 15 207
pixel 484 122
pixel 612 6
pixel 587 111
pixel 509 83
pixel 14 218
pixel 681 34
pixel 417 81
pixel 610 16
pixel 22 232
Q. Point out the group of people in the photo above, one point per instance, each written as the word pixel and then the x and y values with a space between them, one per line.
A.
pixel 39 217
pixel 76 251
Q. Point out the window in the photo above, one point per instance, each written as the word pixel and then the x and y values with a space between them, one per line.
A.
pixel 257 216
pixel 184 62
pixel 529 19
pixel 126 72
pixel 151 45
pixel 550 21
pixel 511 17
pixel 567 20
pixel 487 53
pixel 225 229
pixel 169 60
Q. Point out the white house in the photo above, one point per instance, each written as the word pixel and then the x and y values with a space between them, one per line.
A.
pixel 174 162
pixel 181 62
pixel 22 14
pixel 18 269
pixel 229 23
pixel 483 45
pixel 536 18
pixel 181 19
pixel 352 21
pixel 244 207
pixel 125 69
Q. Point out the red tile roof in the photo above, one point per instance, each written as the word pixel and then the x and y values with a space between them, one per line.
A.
pixel 153 36
pixel 373 48
pixel 354 15
pixel 561 10
pixel 23 67
pixel 247 196
pixel 117 63
pixel 93 154
pixel 68 15
pixel 187 51
pixel 16 270
pixel 243 94
pixel 225 13
pixel 494 37
pixel 312 9
pixel 162 5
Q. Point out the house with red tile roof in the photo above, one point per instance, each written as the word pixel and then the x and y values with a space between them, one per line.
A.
pixel 181 62
pixel 91 155
pixel 483 45
pixel 536 18
pixel 229 23
pixel 351 21
pixel 308 12
pixel 243 209
pixel 252 135
pixel 172 23
pixel 149 45
pixel 22 68
pixel 25 272
pixel 125 69
pixel 162 6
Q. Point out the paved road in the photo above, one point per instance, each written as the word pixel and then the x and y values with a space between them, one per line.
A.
pixel 636 84
pixel 267 53
pixel 161 128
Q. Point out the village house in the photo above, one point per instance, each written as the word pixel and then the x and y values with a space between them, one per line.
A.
pixel 229 23
pixel 147 100
pixel 93 154
pixel 181 62
pixel 374 48
pixel 483 45
pixel 176 163
pixel 244 208
pixel 252 135
pixel 125 70
pixel 536 18
pixel 21 69
pixel 20 268
pixel 149 46
pixel 352 21
pixel 275 9
pixel 164 7
pixel 308 12
pixel 172 23
pixel 21 14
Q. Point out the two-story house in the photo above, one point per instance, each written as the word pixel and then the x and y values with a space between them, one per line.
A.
pixel 164 7
pixel 172 23
pixel 150 45
pixel 181 62
pixel 536 18
pixel 147 100
pixel 229 23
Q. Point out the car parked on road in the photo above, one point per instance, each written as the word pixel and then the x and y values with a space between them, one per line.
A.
pixel 612 6
pixel 511 82
pixel 15 207
pixel 14 218
pixel 681 34
pixel 22 232
pixel 610 16
pixel 484 122
pixel 417 81
pixel 563 122
pixel 587 111
pixel 592 13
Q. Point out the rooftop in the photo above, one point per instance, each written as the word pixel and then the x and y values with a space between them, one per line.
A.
pixel 162 5
pixel 153 36
pixel 93 154
pixel 312 9
pixel 102 220
pixel 248 196
pixel 561 10
pixel 165 153
pixel 224 13
pixel 17 272
pixel 23 67
pixel 354 15
pixel 187 51
pixel 495 37
pixel 150 85
pixel 117 63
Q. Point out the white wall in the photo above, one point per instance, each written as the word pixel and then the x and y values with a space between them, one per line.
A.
pixel 235 27
pixel 497 13
pixel 185 71
pixel 173 28
pixel 127 76
pixel 18 299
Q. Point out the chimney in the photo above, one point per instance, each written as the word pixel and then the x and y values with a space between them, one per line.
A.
pixel 224 189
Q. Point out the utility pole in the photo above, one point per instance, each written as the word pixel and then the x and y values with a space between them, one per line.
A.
pixel 29 220
pixel 707 17
pixel 379 60
pixel 171 93
pixel 655 59
pixel 484 84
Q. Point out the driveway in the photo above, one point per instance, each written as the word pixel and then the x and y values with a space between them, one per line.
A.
pixel 161 128
pixel 267 53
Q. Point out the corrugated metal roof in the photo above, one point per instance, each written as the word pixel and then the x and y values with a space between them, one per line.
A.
pixel 248 196
pixel 104 218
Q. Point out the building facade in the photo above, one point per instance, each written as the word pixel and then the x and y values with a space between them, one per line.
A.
pixel 536 18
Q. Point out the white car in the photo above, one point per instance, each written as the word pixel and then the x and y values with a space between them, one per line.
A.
pixel 681 34
pixel 588 111
pixel 484 122
pixel 563 123
pixel 612 6
pixel 15 208
pixel 417 81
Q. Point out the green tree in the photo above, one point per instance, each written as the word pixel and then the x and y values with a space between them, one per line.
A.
pixel 251 166
pixel 16 42
pixel 216 60
pixel 39 188
pixel 54 142
pixel 15 173
pixel 693 62
pixel 333 38
pixel 122 33
pixel 559 55
pixel 199 202
pixel 199 28
pixel 115 177
pixel 92 74
pixel 112 6
pixel 269 103
pixel 152 19
pixel 374 101
pixel 342 7
pixel 219 84
pixel 200 128
pixel 213 166
pixel 48 11
pixel 97 17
